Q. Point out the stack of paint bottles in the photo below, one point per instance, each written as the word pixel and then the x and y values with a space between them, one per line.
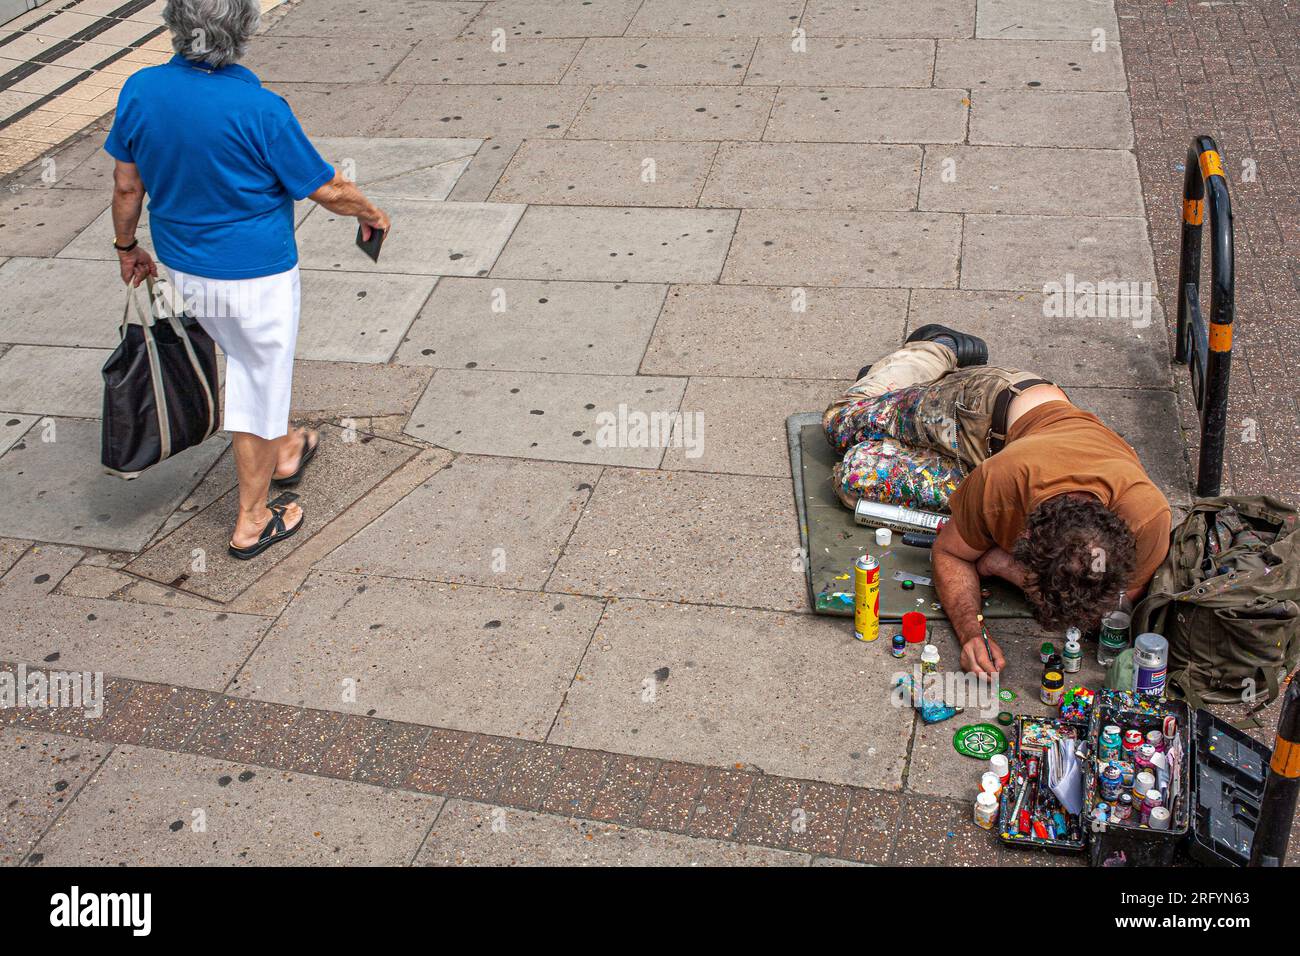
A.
pixel 991 783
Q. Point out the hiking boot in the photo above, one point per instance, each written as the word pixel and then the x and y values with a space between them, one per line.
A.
pixel 969 349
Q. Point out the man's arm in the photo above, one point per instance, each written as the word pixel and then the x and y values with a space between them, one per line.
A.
pixel 958 583
pixel 128 202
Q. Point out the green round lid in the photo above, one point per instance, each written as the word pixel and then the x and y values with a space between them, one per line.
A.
pixel 979 740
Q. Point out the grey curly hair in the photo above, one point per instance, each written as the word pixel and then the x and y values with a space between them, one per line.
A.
pixel 211 31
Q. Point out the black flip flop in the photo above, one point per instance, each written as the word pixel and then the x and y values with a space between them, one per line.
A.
pixel 273 532
pixel 308 453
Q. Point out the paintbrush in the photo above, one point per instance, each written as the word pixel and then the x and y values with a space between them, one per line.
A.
pixel 984 634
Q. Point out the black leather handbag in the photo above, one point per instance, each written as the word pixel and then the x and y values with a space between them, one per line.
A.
pixel 160 386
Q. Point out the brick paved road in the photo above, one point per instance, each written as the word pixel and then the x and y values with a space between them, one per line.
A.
pixel 1231 70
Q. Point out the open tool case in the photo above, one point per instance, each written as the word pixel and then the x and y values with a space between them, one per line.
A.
pixel 1228 773
pixel 1215 816
pixel 1025 743
pixel 1125 844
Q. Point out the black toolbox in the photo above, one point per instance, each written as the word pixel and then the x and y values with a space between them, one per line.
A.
pixel 1220 788
pixel 1026 742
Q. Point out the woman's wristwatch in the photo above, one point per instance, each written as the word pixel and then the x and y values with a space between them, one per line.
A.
pixel 126 248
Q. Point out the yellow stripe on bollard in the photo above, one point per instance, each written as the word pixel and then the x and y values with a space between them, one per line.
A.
pixel 1211 165
pixel 1286 759
pixel 1220 337
pixel 1193 211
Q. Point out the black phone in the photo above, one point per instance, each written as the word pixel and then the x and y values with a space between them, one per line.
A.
pixel 372 245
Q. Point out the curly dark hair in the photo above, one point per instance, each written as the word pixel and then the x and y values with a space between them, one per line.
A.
pixel 1079 556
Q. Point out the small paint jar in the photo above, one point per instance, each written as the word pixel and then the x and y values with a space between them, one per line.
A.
pixel 1151 802
pixel 899 646
pixel 1157 740
pixel 986 810
pixel 1142 783
pixel 999 765
pixel 883 537
pixel 1142 758
pixel 1108 744
pixel 1112 783
pixel 1159 818
pixel 990 783
pixel 1046 651
pixel 1123 808
pixel 1053 688
pixel 1132 740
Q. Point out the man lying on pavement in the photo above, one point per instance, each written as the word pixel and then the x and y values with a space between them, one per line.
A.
pixel 1041 492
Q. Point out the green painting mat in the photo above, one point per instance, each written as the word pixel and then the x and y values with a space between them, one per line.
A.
pixel 833 540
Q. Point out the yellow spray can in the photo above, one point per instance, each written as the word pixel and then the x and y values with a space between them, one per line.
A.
pixel 866 598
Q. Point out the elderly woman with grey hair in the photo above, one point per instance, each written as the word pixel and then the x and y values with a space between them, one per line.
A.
pixel 222 161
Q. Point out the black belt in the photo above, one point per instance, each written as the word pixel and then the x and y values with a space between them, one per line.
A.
pixel 1001 405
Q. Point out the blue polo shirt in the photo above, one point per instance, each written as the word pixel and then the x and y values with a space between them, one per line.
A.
pixel 222 161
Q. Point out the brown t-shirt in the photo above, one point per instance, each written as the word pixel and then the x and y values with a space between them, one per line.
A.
pixel 1053 449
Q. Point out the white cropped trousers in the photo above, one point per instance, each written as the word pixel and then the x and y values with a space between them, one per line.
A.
pixel 255 323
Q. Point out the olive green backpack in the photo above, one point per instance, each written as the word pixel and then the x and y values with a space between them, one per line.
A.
pixel 1226 600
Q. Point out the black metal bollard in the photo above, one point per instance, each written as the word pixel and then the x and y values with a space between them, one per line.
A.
pixel 1277 810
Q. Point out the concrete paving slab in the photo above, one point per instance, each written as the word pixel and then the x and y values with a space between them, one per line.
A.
pixel 345 390
pixel 68 498
pixel 1148 420
pixel 45 380
pixel 39 221
pixel 773 332
pixel 743 423
pixel 846 115
pixel 660 61
pixel 1105 352
pixel 544 18
pixel 1038 118
pixel 11 549
pixel 192 648
pixel 1046 20
pixel 12 428
pixel 152 808
pixel 618 244
pixel 475 834
pixel 724 686
pixel 1026 252
pixel 865 249
pixel 428 238
pixel 469 658
pixel 343 472
pixel 551 416
pixel 889 18
pixel 498 522
pixel 401 167
pixel 935 767
pixel 841 61
pixel 594 173
pixel 43 774
pixel 717 539
pixel 478 60
pixel 683 113
pixel 480 176
pixel 1028 65
pixel 813 176
pixel 502 112
pixel 1030 180
pixel 744 18
pixel 90 244
pixel 338 59
pixel 524 325
pixel 397 18
pixel 346 109
pixel 357 317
